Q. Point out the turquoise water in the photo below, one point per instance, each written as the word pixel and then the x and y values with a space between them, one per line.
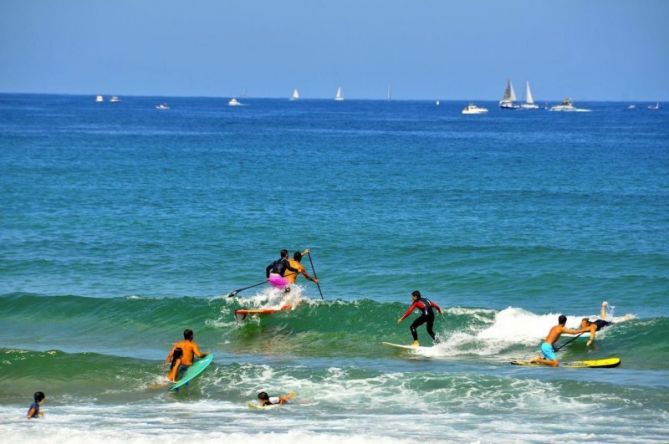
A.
pixel 121 225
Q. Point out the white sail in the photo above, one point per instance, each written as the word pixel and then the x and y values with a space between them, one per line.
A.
pixel 528 94
pixel 339 96
pixel 389 95
pixel 509 93
pixel 295 95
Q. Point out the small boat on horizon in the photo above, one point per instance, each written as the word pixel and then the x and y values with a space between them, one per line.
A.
pixel 99 99
pixel 234 102
pixel 529 100
pixel 163 106
pixel 568 106
pixel 437 103
pixel 654 107
pixel 339 97
pixel 114 99
pixel 473 109
pixel 509 97
pixel 295 95
pixel 631 107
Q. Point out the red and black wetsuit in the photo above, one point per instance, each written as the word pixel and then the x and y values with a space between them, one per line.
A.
pixel 427 315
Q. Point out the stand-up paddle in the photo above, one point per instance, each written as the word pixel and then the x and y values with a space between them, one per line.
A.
pixel 315 276
pixel 569 341
pixel 233 293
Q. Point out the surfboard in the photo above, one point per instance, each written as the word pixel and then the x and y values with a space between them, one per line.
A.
pixel 242 313
pixel 403 346
pixel 256 406
pixel 194 371
pixel 590 363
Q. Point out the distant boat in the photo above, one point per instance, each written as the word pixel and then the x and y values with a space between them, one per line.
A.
pixel 389 95
pixel 631 107
pixel 295 95
pixel 473 109
pixel 567 106
pixel 114 99
pixel 339 97
pixel 655 107
pixel 163 106
pixel 99 99
pixel 437 103
pixel 234 102
pixel 509 97
pixel 529 100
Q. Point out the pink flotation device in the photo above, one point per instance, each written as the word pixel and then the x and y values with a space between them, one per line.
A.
pixel 277 281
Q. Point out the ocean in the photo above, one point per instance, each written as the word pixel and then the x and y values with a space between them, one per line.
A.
pixel 122 225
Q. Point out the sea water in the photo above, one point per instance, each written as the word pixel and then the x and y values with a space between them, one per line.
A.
pixel 122 225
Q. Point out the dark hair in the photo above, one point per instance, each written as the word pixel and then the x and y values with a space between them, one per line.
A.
pixel 416 293
pixel 176 354
pixel 284 253
pixel 297 256
pixel 562 320
pixel 188 334
pixel 586 320
pixel 39 396
pixel 263 396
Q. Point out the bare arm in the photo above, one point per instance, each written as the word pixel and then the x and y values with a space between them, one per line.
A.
pixel 593 333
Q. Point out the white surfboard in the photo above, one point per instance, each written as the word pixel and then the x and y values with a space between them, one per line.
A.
pixel 404 346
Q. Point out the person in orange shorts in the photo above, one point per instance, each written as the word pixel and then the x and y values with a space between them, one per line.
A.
pixel 181 355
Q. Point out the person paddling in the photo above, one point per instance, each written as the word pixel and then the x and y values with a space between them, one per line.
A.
pixel 276 271
pixel 426 307
pixel 548 356
pixel 296 263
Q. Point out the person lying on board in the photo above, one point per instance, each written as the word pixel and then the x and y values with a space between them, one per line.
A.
pixel 296 263
pixel 595 326
pixel 276 271
pixel 426 307
pixel 177 353
pixel 33 411
pixel 189 349
pixel 548 356
pixel 264 399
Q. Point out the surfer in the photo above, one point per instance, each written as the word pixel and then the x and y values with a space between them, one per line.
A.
pixel 296 263
pixel 426 307
pixel 264 399
pixel 33 411
pixel 595 326
pixel 189 349
pixel 548 356
pixel 175 365
pixel 276 271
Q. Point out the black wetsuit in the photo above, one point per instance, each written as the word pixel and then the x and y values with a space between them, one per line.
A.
pixel 279 267
pixel 601 323
pixel 427 316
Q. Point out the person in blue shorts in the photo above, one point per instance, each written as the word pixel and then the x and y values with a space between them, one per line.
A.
pixel 548 356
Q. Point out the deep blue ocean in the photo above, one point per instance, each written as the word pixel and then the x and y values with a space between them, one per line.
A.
pixel 121 225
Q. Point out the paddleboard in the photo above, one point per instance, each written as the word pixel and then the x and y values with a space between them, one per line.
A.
pixel 404 347
pixel 194 371
pixel 256 406
pixel 590 363
pixel 242 313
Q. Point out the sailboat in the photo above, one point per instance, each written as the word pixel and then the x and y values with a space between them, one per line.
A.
pixel 529 100
pixel 389 95
pixel 339 97
pixel 295 95
pixel 509 97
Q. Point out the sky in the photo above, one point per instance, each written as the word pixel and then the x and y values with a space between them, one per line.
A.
pixel 423 49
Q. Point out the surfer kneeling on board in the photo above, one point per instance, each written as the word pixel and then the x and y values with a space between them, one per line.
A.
pixel 276 271
pixel 264 399
pixel 189 349
pixel 595 326
pixel 426 307
pixel 548 356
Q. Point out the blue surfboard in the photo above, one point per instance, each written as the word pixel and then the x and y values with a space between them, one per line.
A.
pixel 194 371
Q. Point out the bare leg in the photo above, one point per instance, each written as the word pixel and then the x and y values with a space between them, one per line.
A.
pixel 602 312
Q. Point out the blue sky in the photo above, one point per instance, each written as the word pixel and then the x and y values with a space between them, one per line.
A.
pixel 589 50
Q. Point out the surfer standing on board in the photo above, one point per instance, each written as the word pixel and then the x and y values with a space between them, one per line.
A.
pixel 189 349
pixel 426 307
pixel 547 347
pixel 296 263
pixel 276 271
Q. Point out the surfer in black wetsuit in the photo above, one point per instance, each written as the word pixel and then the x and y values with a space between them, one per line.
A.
pixel 595 326
pixel 280 266
pixel 426 307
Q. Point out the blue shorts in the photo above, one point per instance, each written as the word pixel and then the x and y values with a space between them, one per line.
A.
pixel 548 351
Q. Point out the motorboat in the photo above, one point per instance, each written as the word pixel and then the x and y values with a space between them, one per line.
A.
pixel 509 97
pixel 473 109
pixel 234 102
pixel 568 106
pixel 655 107
pixel 163 106
pixel 529 100
pixel 114 99
pixel 99 99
